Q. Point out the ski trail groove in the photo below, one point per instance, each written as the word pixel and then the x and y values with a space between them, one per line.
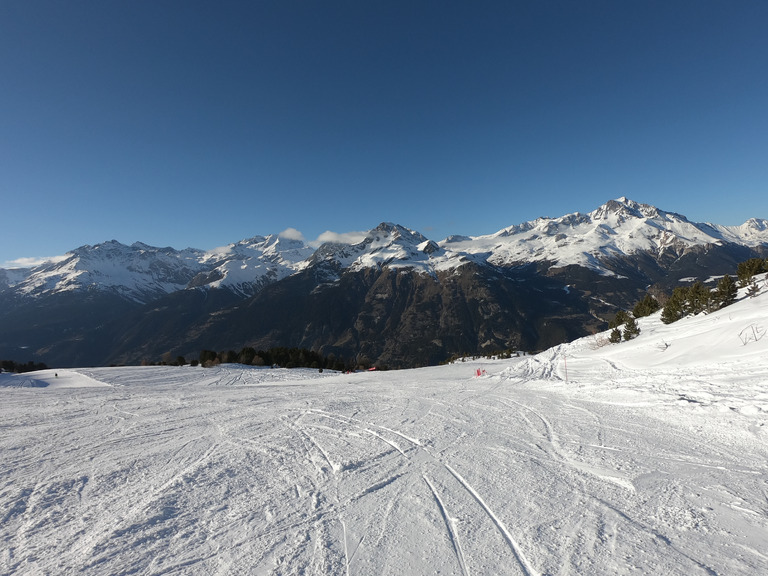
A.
pixel 521 558
pixel 188 469
pixel 334 467
pixel 362 425
pixel 656 535
pixel 449 523
pixel 602 474
pixel 380 437
pixel 346 551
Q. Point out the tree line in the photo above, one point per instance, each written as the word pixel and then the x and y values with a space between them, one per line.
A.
pixel 690 300
pixel 281 356
pixel 11 366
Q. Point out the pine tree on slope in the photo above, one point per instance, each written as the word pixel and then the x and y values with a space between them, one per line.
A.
pixel 646 307
pixel 725 293
pixel 631 329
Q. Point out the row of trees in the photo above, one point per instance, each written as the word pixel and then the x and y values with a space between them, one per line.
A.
pixel 690 300
pixel 747 270
pixel 11 366
pixel 645 307
pixel 625 319
pixel 496 355
pixel 280 356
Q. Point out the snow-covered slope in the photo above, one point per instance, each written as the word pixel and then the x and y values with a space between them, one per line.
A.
pixel 649 457
pixel 141 272
pixel 249 264
pixel 620 227
pixel 138 271
pixel 389 245
pixel 703 359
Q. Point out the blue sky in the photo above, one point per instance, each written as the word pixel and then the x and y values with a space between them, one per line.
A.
pixel 188 123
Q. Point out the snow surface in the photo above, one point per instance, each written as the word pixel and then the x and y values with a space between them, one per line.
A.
pixel 645 457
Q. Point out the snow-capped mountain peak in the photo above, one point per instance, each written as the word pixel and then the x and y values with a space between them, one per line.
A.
pixel 388 244
pixel 139 271
pixel 249 264
pixel 754 227
pixel 622 209
pixel 617 229
pixel 386 235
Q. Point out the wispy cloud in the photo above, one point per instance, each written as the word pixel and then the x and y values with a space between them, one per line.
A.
pixel 339 238
pixel 31 262
pixel 291 234
pixel 327 236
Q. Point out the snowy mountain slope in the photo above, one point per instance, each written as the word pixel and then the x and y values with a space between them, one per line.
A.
pixel 139 272
pixel 395 297
pixel 649 458
pixel 389 245
pixel 703 358
pixel 619 227
pixel 249 264
pixel 13 276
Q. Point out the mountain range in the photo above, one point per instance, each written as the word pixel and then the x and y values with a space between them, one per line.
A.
pixel 396 298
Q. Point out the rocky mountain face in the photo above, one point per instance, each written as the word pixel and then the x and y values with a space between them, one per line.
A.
pixel 395 298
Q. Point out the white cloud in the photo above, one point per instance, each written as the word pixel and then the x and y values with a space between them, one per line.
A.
pixel 219 251
pixel 32 261
pixel 339 238
pixel 291 234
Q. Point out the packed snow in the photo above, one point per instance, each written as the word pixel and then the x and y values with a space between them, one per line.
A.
pixel 644 457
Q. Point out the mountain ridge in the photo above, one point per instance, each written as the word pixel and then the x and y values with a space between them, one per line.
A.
pixel 618 228
pixel 394 298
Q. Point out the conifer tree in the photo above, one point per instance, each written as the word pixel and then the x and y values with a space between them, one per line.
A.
pixel 747 269
pixel 208 357
pixel 631 329
pixel 726 292
pixel 699 298
pixel 621 317
pixel 646 307
pixel 615 336
pixel 677 305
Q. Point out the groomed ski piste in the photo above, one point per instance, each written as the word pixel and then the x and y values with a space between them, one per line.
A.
pixel 644 457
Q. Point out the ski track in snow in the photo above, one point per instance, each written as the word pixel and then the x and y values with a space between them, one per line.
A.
pixel 234 470
pixel 529 570
pixel 450 525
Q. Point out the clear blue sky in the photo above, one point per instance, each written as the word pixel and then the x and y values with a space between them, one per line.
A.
pixel 189 123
